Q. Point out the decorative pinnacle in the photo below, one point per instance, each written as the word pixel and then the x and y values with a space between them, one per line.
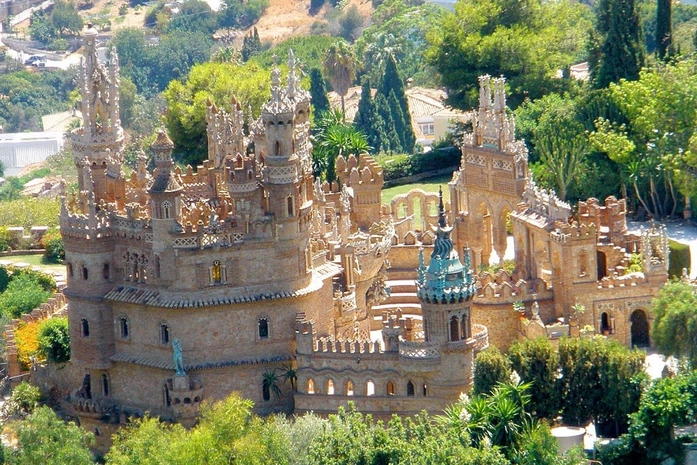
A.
pixel 441 208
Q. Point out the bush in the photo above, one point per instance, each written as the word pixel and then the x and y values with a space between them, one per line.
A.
pixel 28 212
pixel 24 399
pixel 679 258
pixel 5 239
pixel 27 340
pixel 54 340
pixel 490 368
pixel 25 292
pixel 400 166
pixel 52 243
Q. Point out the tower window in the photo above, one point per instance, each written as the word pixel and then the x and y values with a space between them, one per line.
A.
pixel 410 389
pixel 265 392
pixel 106 272
pixel 70 269
pixel 454 329
pixel 369 388
pixel 85 325
pixel 330 387
pixel 289 203
pixel 263 328
pixel 123 327
pixel 277 148
pixel 310 386
pixel 390 388
pixel 425 389
pixel 85 273
pixel 164 334
pixel 166 210
pixel 349 388
pixel 216 273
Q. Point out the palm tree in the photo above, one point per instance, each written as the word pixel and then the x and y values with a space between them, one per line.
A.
pixel 340 67
pixel 270 384
pixel 290 375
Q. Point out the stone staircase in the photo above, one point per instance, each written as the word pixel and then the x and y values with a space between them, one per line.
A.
pixel 402 296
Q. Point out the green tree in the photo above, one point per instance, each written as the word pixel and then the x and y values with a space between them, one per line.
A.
pixel 350 23
pixel 44 438
pixel 251 45
pixel 65 19
pixel 392 88
pixel 333 137
pixel 367 119
pixel 40 27
pixel 340 68
pixel 490 369
pixel 617 49
pixel 241 14
pixel 193 16
pixel 536 361
pixel 24 399
pixel 318 92
pixel 505 37
pixel 186 116
pixel 54 340
pixel 24 293
pixel 664 29
pixel 674 330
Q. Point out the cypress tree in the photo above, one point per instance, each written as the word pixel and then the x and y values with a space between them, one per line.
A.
pixel 318 91
pixel 619 46
pixel 392 85
pixel 367 120
pixel 251 45
pixel 664 33
pixel 390 140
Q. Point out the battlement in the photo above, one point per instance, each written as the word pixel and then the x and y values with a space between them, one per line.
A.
pixel 565 232
pixel 545 202
pixel 366 172
pixel 502 288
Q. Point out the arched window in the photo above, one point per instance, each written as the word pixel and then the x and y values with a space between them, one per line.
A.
pixel 310 386
pixel 166 399
pixel 349 388
pixel 583 263
pixel 85 273
pixel 605 327
pixel 123 327
pixel 369 388
pixel 85 327
pixel 106 273
pixel 105 385
pixel 164 334
pixel 166 209
pixel 330 387
pixel 265 392
pixel 410 389
pixel 263 328
pixel 277 148
pixel 454 329
pixel 390 388
pixel 425 389
pixel 466 330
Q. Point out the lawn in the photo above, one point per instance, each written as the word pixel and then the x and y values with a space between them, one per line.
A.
pixel 428 185
pixel 35 260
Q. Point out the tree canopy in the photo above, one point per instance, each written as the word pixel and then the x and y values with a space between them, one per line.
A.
pixel 525 41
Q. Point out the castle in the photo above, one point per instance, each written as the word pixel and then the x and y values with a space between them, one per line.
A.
pixel 249 275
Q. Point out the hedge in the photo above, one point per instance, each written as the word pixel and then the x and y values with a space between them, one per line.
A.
pixel 401 166
pixel 679 258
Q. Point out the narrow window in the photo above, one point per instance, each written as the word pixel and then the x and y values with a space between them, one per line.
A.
pixel 70 270
pixel 105 385
pixel 454 329
pixel 370 388
pixel 85 327
pixel 310 386
pixel 349 388
pixel 105 272
pixel 216 273
pixel 166 207
pixel 277 149
pixel 85 273
pixel 164 334
pixel 289 202
pixel 166 399
pixel 265 392
pixel 425 390
pixel 123 325
pixel 410 389
pixel 390 388
pixel 263 328
pixel 330 387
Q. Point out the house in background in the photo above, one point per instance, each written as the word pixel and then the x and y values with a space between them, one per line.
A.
pixel 431 119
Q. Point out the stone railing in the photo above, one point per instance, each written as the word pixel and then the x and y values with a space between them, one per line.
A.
pixel 480 334
pixel 337 346
pixel 418 350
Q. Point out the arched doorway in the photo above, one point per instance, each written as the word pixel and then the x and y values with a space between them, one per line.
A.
pixel 640 329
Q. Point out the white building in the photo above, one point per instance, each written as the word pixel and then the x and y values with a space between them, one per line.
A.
pixel 19 150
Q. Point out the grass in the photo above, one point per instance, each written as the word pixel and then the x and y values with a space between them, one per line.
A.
pixel 428 185
pixel 35 260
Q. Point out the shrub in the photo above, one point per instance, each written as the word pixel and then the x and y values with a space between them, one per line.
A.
pixel 5 239
pixel 679 258
pixel 52 242
pixel 27 340
pixel 491 368
pixel 28 212
pixel 24 399
pixel 54 340
pixel 25 292
pixel 400 166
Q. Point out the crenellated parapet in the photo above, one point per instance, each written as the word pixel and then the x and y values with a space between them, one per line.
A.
pixel 610 218
pixel 545 202
pixel 564 232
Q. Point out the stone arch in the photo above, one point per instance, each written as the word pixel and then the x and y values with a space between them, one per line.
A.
pixel 640 328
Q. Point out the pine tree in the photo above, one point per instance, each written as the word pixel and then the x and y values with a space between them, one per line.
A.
pixel 664 33
pixel 318 91
pixel 400 124
pixel 618 49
